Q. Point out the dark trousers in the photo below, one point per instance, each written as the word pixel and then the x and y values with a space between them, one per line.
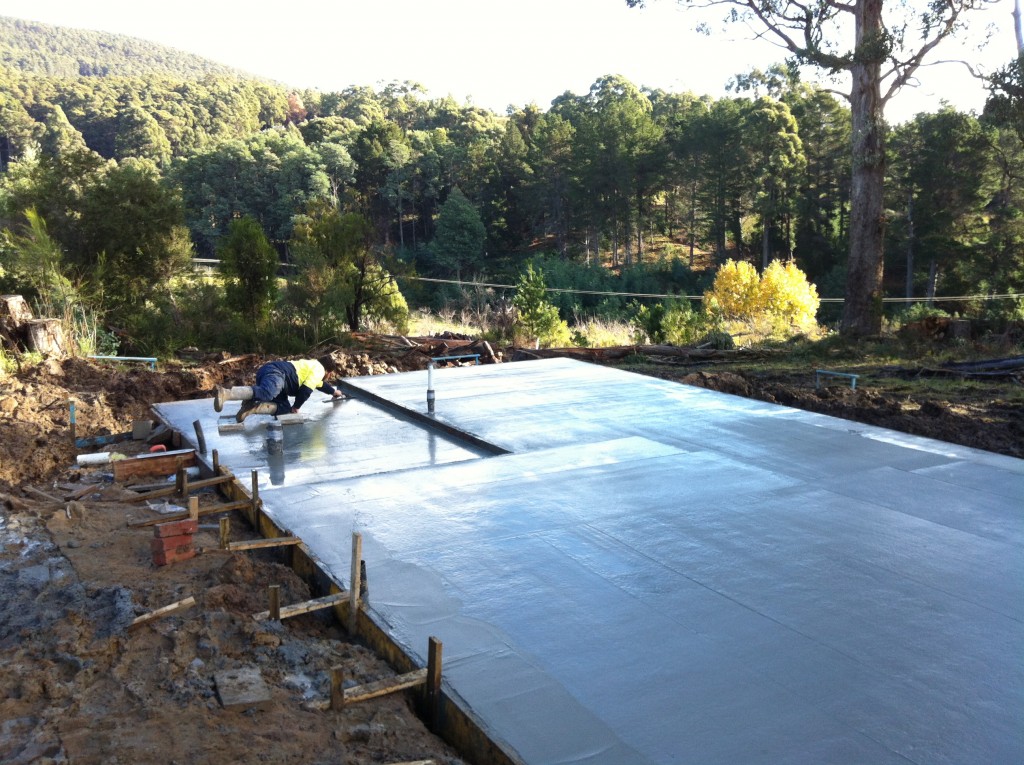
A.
pixel 272 385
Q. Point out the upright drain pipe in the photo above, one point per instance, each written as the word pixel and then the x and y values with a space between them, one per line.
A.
pixel 430 387
pixel 275 437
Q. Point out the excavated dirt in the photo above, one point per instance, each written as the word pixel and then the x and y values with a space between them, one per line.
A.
pixel 77 685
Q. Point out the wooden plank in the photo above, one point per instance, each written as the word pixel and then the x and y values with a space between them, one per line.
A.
pixel 161 612
pixel 385 687
pixel 153 464
pixel 211 510
pixel 433 681
pixel 374 690
pixel 274 597
pixel 171 490
pixel 258 544
pixel 44 495
pixel 354 582
pixel 305 607
pixel 82 491
pixel 238 427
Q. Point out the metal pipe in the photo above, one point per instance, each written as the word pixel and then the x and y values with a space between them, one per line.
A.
pixel 430 387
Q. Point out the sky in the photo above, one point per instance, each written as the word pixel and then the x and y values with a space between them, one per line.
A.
pixel 492 54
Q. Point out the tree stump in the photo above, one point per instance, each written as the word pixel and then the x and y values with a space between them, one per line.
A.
pixel 46 336
pixel 14 316
pixel 960 329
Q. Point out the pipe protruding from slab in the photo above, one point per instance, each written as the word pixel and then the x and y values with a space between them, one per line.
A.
pixel 275 437
pixel 430 388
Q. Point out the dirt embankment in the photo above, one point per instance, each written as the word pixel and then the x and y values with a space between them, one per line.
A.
pixel 977 417
pixel 78 685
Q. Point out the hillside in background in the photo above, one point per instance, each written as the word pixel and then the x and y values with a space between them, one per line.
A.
pixel 34 48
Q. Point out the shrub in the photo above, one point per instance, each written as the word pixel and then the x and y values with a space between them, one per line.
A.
pixel 674 322
pixel 537 319
pixel 777 304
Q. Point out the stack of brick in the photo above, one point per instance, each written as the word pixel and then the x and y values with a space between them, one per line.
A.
pixel 172 541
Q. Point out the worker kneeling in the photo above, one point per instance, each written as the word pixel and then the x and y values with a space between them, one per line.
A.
pixel 276 381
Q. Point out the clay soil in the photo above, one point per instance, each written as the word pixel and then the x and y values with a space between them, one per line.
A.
pixel 77 685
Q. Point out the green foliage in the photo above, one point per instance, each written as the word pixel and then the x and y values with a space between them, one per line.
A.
pixel 458 243
pixel 537 320
pixel 341 278
pixel 249 264
pixel 600 178
pixel 271 176
pixel 35 263
pixel 672 322
pixel 60 52
pixel 132 237
pixel 918 311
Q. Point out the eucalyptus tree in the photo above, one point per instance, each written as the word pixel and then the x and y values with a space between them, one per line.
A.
pixel 1003 268
pixel 615 140
pixel 880 45
pixel 249 265
pixel 506 193
pixel 777 159
pixel 343 276
pixel 716 134
pixel 271 176
pixel 380 151
pixel 823 194
pixel 942 179
pixel 551 155
pixel 1005 103
pixel 140 135
pixel 458 243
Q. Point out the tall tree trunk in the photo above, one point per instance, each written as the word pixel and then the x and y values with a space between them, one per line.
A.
pixel 862 311
pixel 765 242
pixel 693 220
pixel 910 246
pixel 401 228
pixel 1017 27
pixel 933 277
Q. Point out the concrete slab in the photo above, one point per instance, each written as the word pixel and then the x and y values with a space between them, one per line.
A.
pixel 654 573
pixel 242 687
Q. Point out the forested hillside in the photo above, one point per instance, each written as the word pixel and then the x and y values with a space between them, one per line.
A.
pixel 36 48
pixel 111 184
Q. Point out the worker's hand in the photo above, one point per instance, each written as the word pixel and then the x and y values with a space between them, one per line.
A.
pixel 338 394
pixel 295 410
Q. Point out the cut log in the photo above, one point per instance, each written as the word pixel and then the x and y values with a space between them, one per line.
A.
pixel 46 336
pixel 988 365
pixel 161 463
pixel 14 312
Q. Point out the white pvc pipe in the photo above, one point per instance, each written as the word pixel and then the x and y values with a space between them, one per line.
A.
pixel 99 458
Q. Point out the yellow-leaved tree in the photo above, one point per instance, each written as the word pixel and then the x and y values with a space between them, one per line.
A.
pixel 778 303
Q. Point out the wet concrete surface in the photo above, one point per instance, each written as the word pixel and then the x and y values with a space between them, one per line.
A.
pixel 627 570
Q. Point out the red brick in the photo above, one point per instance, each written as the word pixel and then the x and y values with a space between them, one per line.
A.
pixel 183 542
pixel 176 528
pixel 171 556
